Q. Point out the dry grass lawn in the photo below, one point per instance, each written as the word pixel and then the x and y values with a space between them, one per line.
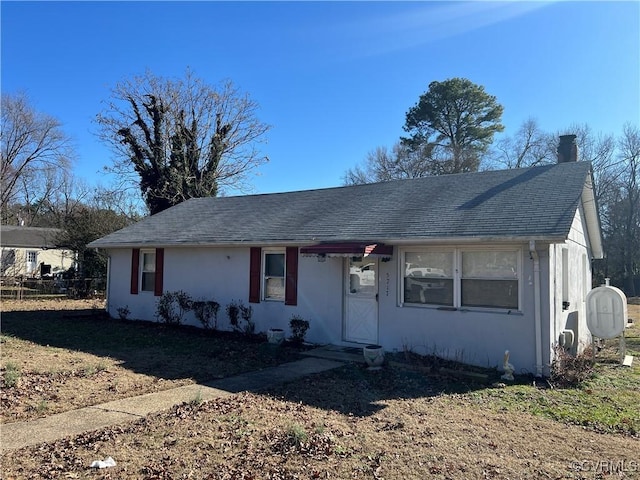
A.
pixel 65 354
pixel 350 423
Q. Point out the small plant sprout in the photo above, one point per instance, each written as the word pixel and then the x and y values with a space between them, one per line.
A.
pixel 42 406
pixel 297 435
pixel 11 374
pixel 197 398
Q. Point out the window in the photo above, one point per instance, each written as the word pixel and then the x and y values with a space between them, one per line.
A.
pixel 8 257
pixel 7 261
pixel 490 279
pixel 148 271
pixel 362 276
pixel 462 278
pixel 274 275
pixel 428 278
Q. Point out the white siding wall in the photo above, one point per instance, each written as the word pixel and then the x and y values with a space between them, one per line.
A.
pixel 141 306
pixel 223 275
pixel 578 262
pixel 472 336
pixel 60 260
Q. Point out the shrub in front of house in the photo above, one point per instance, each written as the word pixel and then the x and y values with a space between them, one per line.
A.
pixel 246 312
pixel 123 312
pixel 299 327
pixel 569 370
pixel 172 306
pixel 236 311
pixel 233 312
pixel 206 311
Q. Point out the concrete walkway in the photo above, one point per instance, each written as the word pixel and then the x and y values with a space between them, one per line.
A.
pixel 21 434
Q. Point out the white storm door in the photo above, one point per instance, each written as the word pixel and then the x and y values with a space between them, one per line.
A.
pixel 361 301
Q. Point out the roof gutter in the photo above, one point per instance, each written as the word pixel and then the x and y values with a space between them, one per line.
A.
pixel 536 305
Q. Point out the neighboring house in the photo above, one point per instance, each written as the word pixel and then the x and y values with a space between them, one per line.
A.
pixel 31 252
pixel 463 266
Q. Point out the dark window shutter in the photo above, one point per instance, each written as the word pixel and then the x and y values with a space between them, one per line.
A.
pixel 291 285
pixel 135 266
pixel 159 278
pixel 255 274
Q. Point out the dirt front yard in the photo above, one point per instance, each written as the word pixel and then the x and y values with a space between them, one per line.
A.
pixel 395 423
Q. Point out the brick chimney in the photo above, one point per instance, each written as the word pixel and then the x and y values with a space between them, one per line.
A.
pixel 567 149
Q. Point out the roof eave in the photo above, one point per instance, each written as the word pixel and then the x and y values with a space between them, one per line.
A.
pixel 226 244
pixel 301 243
pixel 592 219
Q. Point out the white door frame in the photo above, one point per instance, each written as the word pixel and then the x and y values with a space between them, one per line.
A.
pixel 360 318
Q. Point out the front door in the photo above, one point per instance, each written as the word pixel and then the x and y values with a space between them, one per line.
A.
pixel 32 262
pixel 361 300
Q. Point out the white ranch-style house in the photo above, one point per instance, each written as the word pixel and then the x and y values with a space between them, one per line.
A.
pixel 463 266
pixel 32 252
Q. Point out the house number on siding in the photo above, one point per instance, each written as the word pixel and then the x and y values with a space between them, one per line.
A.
pixel 387 283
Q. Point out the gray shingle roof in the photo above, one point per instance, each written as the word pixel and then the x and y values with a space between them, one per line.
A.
pixel 35 237
pixel 530 203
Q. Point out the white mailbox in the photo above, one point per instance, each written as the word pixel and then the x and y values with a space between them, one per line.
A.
pixel 606 312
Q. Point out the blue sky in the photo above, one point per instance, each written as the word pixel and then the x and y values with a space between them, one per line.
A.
pixel 333 79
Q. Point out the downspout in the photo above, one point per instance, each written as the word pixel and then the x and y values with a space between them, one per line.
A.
pixel 536 305
pixel 108 287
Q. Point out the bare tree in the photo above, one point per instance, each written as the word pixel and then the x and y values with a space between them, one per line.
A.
pixel 84 213
pixel 381 165
pixel 33 145
pixel 529 147
pixel 182 138
pixel 623 225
